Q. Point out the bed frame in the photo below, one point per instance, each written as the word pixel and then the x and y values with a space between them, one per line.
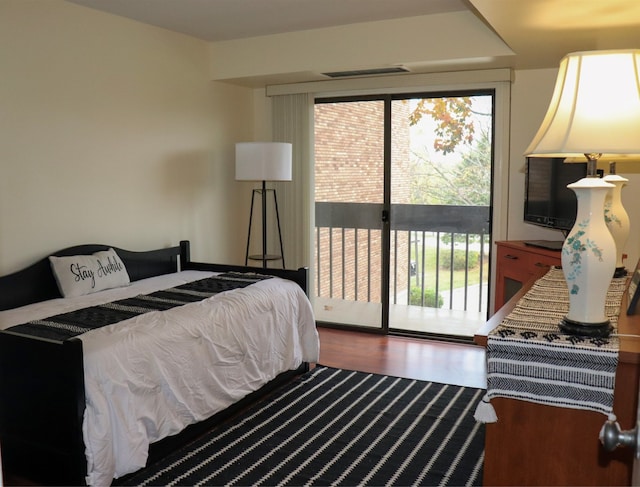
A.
pixel 42 398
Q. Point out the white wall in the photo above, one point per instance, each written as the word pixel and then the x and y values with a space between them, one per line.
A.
pixel 530 96
pixel 112 132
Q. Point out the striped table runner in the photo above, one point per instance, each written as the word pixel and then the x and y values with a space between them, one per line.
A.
pixel 530 359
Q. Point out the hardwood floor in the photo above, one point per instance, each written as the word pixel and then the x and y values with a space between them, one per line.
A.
pixel 450 363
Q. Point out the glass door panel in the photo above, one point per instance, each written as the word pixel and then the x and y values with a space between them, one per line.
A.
pixel 441 161
pixel 349 198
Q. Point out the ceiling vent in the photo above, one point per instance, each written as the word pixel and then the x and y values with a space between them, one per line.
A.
pixel 367 72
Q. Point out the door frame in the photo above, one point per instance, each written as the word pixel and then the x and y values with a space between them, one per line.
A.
pixel 457 83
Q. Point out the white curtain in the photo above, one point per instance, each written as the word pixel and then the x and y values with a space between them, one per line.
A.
pixel 292 121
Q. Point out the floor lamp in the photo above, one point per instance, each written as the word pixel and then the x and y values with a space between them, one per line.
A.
pixel 594 110
pixel 263 161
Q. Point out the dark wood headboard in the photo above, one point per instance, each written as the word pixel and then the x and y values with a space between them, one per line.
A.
pixel 36 283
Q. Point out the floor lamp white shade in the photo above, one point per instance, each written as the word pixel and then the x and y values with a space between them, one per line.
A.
pixel 263 161
pixel 594 110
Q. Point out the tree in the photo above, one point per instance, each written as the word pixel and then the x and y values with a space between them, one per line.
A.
pixel 472 177
pixel 452 116
pixel 468 181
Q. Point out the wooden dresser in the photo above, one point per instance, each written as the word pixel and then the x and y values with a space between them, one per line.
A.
pixel 533 444
pixel 516 262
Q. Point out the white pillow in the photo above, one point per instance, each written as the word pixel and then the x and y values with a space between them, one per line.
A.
pixel 85 274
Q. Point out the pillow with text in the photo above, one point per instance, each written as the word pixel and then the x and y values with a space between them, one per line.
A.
pixel 78 275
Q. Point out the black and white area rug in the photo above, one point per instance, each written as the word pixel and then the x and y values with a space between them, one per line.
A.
pixel 339 427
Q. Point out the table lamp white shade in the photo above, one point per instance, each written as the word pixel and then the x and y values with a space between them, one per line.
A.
pixel 595 107
pixel 263 161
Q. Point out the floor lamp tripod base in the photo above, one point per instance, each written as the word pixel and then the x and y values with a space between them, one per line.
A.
pixel 264 257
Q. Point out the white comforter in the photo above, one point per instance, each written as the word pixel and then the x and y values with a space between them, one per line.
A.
pixel 149 377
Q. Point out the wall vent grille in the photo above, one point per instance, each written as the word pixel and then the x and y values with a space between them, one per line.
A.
pixel 366 72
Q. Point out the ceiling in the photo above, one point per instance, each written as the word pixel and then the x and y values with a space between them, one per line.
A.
pixel 539 32
pixel 223 20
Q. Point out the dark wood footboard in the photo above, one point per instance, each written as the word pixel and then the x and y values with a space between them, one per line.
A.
pixel 41 410
pixel 42 395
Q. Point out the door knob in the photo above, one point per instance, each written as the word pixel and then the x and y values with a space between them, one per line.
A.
pixel 612 437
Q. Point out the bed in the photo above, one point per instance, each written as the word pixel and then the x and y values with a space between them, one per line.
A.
pixel 87 406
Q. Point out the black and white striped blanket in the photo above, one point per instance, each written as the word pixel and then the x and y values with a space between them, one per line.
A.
pixel 68 325
pixel 528 358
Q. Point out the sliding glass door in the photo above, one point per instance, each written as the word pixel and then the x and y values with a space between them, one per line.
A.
pixel 402 204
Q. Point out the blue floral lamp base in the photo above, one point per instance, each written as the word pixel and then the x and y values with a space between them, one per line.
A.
pixel 588 261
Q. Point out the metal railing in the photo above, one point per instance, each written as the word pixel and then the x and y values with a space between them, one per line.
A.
pixel 435 252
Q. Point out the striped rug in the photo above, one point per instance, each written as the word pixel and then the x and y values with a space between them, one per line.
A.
pixel 339 427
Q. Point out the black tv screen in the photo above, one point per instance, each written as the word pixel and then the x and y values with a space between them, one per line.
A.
pixel 548 202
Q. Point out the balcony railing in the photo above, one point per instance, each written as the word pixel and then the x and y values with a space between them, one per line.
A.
pixel 438 254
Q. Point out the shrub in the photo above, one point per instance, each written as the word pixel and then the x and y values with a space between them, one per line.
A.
pixel 459 259
pixel 429 298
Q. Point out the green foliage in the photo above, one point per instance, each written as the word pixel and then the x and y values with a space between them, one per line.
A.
pixel 468 183
pixel 451 115
pixel 457 132
pixel 429 298
pixel 461 238
pixel 459 262
pixel 472 177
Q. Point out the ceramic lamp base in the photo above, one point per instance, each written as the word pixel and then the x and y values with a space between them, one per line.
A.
pixel 597 330
pixel 588 260
pixel 617 218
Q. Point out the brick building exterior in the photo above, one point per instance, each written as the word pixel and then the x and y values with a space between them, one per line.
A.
pixel 349 168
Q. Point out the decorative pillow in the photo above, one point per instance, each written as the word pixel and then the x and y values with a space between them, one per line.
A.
pixel 85 274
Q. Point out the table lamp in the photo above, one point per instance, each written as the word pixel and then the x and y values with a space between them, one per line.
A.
pixel 594 110
pixel 616 217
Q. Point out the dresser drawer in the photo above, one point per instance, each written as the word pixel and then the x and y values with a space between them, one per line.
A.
pixel 515 264
pixel 536 261
pixel 508 255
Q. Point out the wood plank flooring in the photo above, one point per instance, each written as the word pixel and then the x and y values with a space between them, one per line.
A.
pixel 449 363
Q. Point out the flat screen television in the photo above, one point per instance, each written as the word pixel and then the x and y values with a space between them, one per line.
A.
pixel 547 200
